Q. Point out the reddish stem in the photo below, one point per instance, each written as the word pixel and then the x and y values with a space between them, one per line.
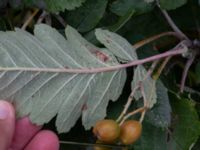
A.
pixel 185 72
pixel 100 69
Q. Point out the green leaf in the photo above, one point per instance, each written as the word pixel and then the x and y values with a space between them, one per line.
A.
pixel 50 5
pixel 122 21
pixel 116 44
pixel 152 138
pixel 43 95
pixel 121 7
pixel 88 15
pixel 160 114
pixel 186 129
pixel 28 3
pixel 171 4
pixel 114 28
pixel 149 86
pixel 60 5
pixel 3 24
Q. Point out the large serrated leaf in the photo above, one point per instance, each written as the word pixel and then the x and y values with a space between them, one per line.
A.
pixel 43 94
pixel 149 86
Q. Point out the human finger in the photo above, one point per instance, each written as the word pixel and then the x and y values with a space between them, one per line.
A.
pixel 44 140
pixel 24 132
pixel 7 123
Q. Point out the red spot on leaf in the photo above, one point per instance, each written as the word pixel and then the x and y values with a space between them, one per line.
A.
pixel 84 107
pixel 102 56
pixel 107 41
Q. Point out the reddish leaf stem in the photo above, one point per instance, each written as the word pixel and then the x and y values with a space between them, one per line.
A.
pixel 172 24
pixel 173 52
pixel 155 37
pixel 185 72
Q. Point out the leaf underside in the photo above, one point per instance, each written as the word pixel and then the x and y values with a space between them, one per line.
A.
pixel 148 83
pixel 124 51
pixel 43 95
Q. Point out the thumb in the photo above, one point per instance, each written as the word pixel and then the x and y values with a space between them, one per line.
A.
pixel 7 123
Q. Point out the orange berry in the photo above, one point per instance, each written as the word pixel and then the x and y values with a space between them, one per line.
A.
pixel 130 131
pixel 107 130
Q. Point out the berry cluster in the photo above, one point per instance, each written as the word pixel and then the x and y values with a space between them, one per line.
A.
pixel 109 131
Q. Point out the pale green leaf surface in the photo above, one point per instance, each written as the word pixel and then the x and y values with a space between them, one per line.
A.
pixel 43 95
pixel 149 86
pixel 116 44
pixel 123 50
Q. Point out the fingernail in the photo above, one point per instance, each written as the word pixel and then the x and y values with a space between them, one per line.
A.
pixel 3 110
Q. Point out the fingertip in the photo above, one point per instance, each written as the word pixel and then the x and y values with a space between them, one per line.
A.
pixel 26 131
pixel 6 110
pixel 44 140
pixel 7 122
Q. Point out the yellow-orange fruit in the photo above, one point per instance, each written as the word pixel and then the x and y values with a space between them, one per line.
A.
pixel 107 131
pixel 130 131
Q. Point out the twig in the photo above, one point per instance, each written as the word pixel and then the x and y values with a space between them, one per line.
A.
pixel 172 24
pixel 100 69
pixel 190 90
pixel 60 19
pixel 151 69
pixel 128 103
pixel 138 86
pixel 90 144
pixel 142 116
pixel 160 69
pixel 185 71
pixel 42 16
pixel 145 103
pixel 141 109
pixel 155 37
pixel 29 19
pixel 143 95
